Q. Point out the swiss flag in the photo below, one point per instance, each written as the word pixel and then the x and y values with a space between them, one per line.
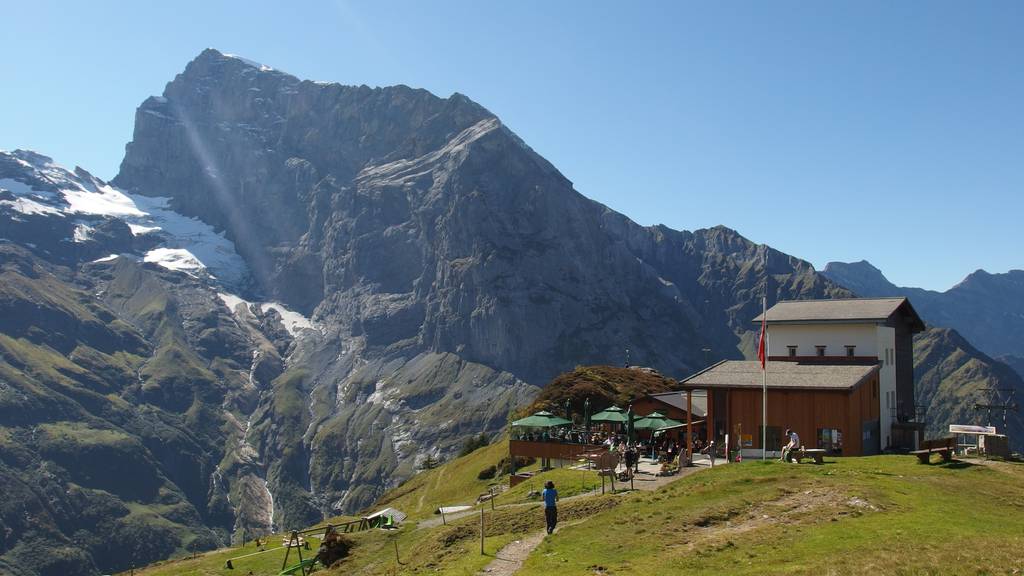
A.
pixel 761 355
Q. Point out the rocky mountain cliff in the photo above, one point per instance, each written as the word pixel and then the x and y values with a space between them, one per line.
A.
pixel 986 308
pixel 449 264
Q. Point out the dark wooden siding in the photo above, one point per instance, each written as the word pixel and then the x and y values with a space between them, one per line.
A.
pixel 806 411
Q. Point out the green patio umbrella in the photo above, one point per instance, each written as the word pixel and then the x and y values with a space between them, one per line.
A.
pixel 613 414
pixel 655 421
pixel 542 419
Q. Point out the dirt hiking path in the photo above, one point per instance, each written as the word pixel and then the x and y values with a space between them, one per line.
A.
pixel 510 559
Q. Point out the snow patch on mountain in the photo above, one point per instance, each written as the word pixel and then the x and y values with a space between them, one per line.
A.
pixel 210 248
pixel 187 244
pixel 82 232
pixel 31 207
pixel 253 63
pixel 294 322
pixel 104 200
pixel 177 259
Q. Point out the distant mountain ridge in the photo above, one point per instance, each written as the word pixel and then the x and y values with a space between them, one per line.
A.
pixel 986 308
pixel 953 377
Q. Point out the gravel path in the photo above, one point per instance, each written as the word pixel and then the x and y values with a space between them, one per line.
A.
pixel 509 559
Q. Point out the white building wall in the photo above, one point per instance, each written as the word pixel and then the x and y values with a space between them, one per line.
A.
pixel 835 337
pixel 870 340
pixel 886 345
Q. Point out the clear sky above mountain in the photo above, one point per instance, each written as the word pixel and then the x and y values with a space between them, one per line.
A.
pixel 886 131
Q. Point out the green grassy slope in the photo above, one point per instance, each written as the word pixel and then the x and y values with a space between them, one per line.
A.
pixel 883 515
pixel 878 515
pixel 109 431
pixel 450 484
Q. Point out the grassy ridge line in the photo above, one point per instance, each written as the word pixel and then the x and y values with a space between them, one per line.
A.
pixel 881 515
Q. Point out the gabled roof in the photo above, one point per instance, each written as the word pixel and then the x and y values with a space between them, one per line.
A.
pixel 783 375
pixel 842 310
pixel 678 400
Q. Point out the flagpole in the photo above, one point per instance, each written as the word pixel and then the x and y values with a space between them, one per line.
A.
pixel 764 376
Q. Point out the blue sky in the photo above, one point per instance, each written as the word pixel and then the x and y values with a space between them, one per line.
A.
pixel 887 131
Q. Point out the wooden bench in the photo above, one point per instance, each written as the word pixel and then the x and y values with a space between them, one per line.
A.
pixel 815 454
pixel 943 446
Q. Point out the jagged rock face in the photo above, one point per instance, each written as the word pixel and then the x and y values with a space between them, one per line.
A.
pixel 420 229
pixel 446 271
pixel 986 308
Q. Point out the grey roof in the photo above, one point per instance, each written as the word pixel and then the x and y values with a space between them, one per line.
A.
pixel 846 310
pixel 747 374
pixel 678 400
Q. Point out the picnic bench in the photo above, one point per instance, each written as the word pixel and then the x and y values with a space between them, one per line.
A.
pixel 943 446
pixel 815 454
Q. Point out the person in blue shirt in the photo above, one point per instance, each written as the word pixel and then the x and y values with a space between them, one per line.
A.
pixel 550 496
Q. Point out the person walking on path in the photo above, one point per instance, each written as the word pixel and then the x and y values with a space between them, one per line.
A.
pixel 550 496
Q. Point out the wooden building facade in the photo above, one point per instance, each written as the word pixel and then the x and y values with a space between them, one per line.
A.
pixel 830 407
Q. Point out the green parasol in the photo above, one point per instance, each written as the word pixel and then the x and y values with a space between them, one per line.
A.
pixel 541 419
pixel 613 414
pixel 655 421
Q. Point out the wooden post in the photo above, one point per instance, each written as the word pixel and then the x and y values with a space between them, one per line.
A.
pixel 481 531
pixel 443 521
pixel 395 540
pixel 689 428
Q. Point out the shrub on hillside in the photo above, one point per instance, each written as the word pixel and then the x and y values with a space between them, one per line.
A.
pixel 474 443
pixel 521 462
pixel 487 473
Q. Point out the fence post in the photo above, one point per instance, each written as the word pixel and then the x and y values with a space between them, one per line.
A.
pixel 481 531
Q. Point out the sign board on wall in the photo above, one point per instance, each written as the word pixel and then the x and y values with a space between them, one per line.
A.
pixel 971 429
pixel 746 440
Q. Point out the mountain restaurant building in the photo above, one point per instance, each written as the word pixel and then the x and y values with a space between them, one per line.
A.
pixel 830 407
pixel 839 373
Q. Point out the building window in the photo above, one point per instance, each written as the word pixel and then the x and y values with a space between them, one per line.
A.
pixel 820 350
pixel 850 351
pixel 792 351
pixel 831 439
